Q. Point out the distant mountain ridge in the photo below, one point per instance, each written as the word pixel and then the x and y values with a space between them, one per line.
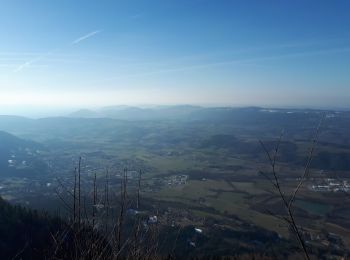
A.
pixel 189 112
pixel 138 113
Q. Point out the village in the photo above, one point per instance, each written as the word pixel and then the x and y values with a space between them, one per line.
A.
pixel 331 185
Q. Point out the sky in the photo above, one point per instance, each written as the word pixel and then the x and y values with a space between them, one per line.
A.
pixel 93 53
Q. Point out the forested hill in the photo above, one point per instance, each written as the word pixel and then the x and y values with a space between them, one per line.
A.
pixel 25 234
pixel 19 157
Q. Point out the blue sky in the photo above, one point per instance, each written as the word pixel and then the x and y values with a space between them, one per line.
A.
pixel 93 53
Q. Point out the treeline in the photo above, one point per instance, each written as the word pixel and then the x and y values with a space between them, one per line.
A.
pixel 24 233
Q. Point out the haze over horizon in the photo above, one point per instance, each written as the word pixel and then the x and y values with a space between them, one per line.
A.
pixel 174 129
pixel 68 55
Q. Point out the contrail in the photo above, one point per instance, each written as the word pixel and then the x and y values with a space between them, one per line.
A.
pixel 231 62
pixel 28 63
pixel 80 39
pixel 40 57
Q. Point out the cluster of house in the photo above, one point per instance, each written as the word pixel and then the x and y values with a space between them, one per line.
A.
pixel 331 185
pixel 325 239
pixel 176 180
pixel 13 163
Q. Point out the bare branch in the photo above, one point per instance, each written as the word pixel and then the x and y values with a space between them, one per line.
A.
pixel 308 163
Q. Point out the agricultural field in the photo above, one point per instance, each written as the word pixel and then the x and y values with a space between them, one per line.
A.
pixel 207 169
